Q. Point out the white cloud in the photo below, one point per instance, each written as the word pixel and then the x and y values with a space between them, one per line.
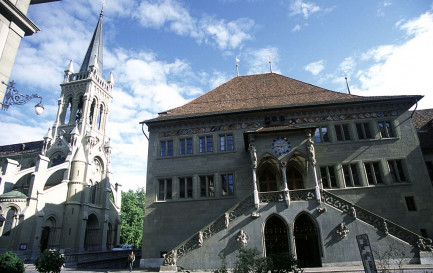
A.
pixel 296 28
pixel 402 69
pixel 173 16
pixel 257 60
pixel 300 7
pixel 315 68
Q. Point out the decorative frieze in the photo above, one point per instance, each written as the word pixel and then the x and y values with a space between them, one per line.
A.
pixel 294 121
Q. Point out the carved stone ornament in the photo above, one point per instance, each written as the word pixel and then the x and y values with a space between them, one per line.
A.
pixel 321 209
pixel 226 220
pixel 342 231
pixel 424 244
pixel 200 238
pixel 242 238
pixel 253 154
pixel 170 258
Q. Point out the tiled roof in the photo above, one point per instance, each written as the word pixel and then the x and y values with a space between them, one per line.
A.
pixel 262 91
pixel 423 121
pixel 21 148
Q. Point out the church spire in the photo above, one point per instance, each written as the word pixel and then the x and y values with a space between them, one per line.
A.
pixel 95 49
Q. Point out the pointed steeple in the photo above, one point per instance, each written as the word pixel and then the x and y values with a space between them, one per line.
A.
pixel 95 49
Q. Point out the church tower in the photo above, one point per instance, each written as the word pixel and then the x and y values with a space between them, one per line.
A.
pixel 79 138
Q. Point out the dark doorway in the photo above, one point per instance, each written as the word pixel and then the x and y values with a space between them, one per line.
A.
pixel 92 238
pixel 294 179
pixel 45 236
pixel 307 242
pixel 276 239
pixel 268 181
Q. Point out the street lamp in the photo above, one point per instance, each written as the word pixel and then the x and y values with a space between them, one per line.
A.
pixel 13 97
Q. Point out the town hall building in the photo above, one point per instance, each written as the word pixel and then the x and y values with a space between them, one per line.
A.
pixel 269 162
pixel 56 193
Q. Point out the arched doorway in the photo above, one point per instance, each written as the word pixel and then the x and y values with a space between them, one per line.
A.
pixel 48 234
pixel 294 179
pixel 276 238
pixel 268 181
pixel 92 238
pixel 307 241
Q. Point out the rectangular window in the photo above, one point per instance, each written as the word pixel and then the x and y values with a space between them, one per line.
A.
pixel 185 146
pixel 396 171
pixel 185 187
pixel 328 177
pixel 164 190
pixel 373 173
pixel 350 174
pixel 385 129
pixel 321 134
pixel 410 203
pixel 363 130
pixel 227 184
pixel 206 144
pixel 207 188
pixel 226 143
pixel 166 148
pixel 342 132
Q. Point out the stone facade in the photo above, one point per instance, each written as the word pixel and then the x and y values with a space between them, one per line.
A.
pixel 269 162
pixel 57 193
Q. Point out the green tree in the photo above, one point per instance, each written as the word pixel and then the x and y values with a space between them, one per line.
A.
pixel 49 262
pixel 9 262
pixel 133 204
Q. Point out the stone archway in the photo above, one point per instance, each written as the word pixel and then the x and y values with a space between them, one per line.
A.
pixel 276 237
pixel 92 239
pixel 307 241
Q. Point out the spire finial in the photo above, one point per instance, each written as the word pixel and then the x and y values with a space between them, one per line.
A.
pixel 237 66
pixel 270 63
pixel 347 84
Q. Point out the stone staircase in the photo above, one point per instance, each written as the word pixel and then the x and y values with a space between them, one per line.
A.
pixel 222 222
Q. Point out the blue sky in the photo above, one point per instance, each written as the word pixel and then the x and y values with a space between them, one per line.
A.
pixel 163 53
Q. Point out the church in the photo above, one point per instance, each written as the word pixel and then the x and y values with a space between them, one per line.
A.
pixel 56 193
pixel 269 162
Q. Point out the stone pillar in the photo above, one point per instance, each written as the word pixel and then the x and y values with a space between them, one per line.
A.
pixel 286 190
pixel 312 158
pixel 253 154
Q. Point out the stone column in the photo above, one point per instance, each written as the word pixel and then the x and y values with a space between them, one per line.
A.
pixel 253 154
pixel 312 158
pixel 286 190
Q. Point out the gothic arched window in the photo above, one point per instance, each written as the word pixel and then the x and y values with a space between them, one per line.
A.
pixel 10 221
pixel 68 110
pixel 99 119
pixel 79 112
pixel 92 111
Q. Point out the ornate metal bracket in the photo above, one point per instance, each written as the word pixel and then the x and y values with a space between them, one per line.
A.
pixel 13 97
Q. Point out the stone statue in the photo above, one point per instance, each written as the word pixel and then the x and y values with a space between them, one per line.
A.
pixel 353 211
pixel 242 238
pixel 253 154
pixel 342 230
pixel 200 238
pixel 226 220
pixel 311 152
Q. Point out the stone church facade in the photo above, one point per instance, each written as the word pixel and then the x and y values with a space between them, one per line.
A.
pixel 269 162
pixel 57 193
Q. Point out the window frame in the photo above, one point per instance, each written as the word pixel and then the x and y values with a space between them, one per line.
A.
pixel 386 130
pixel 351 175
pixel 185 187
pixel 185 146
pixel 206 142
pixel 166 148
pixel 207 186
pixel 371 170
pixel 396 171
pixel 340 132
pixel 226 143
pixel 362 132
pixel 321 134
pixel 227 182
pixel 165 189
pixel 331 183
